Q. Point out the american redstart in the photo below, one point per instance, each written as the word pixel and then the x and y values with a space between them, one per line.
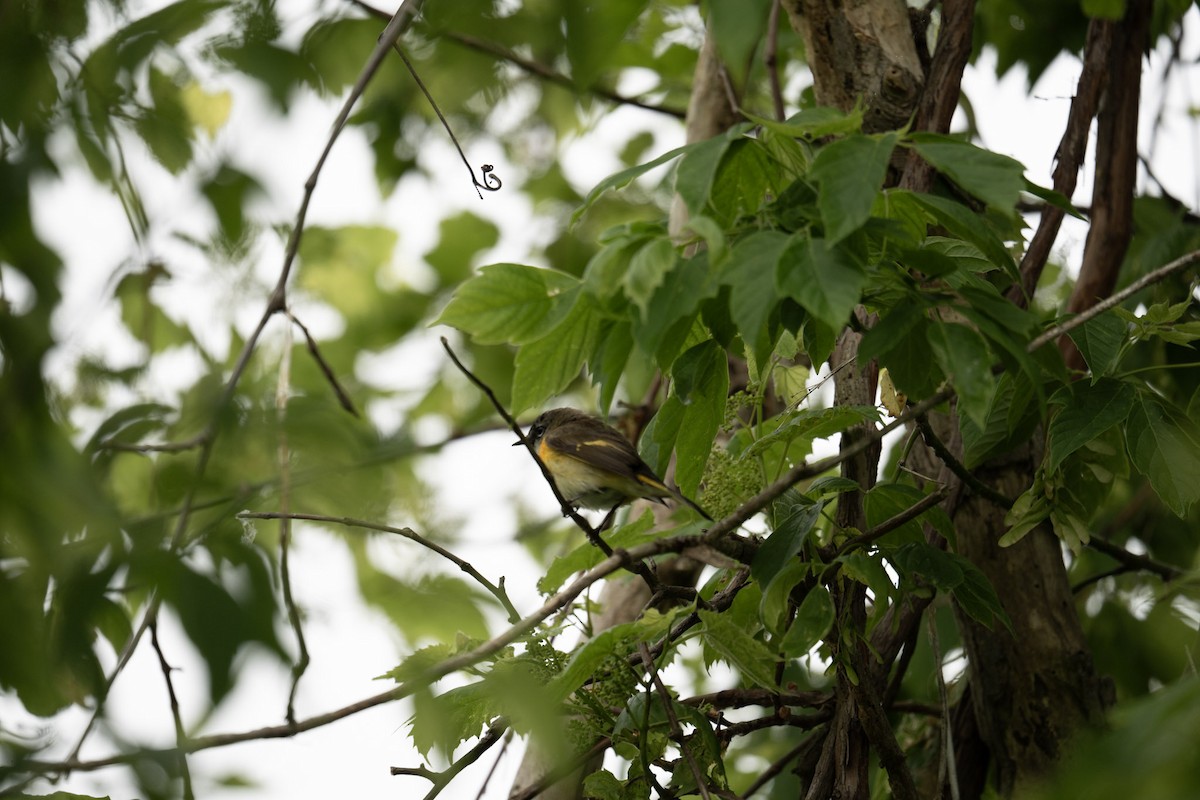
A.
pixel 593 465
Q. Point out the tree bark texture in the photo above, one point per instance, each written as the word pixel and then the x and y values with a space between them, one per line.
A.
pixel 1116 169
pixel 861 51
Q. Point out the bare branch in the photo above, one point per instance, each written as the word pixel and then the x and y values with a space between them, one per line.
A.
pixel 496 591
pixel 342 396
pixel 957 467
pixel 276 303
pixel 1069 156
pixel 441 780
pixel 180 734
pixel 673 719
pixel 1149 279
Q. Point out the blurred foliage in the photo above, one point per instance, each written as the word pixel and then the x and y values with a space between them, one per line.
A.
pixel 119 494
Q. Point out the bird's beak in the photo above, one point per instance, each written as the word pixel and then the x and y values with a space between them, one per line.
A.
pixel 518 443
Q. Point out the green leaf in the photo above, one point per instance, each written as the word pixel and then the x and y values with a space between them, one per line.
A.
pixel 966 224
pixel 701 383
pixel 886 500
pixel 782 545
pixel 976 596
pixel 593 32
pixel 935 564
pixel 735 646
pixel 966 360
pixel 460 238
pixel 813 423
pixel 144 318
pixel 510 303
pixel 608 363
pixel 738 27
pixel 849 173
pixel 545 366
pixel 620 180
pixel 1089 410
pixel 825 279
pixel 813 123
pixel 647 270
pixel 340 265
pixel 698 170
pixel 751 274
pixel 1099 341
pixel 994 178
pixel 776 597
pixel 893 328
pixel 814 619
pixel 1165 447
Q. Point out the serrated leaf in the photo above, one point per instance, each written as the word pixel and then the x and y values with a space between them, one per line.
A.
pixel 813 423
pixel 813 123
pixel 776 596
pixel 620 180
pixel 976 595
pixel 849 174
pixel 1089 410
pixel 825 279
pixel 738 648
pixel 698 170
pixel 647 270
pixel 965 224
pixel 994 178
pixel 751 274
pixel 966 360
pixel 702 384
pixel 814 618
pixel 1099 341
pixel 545 366
pixel 510 303
pixel 784 543
pixel 931 562
pixel 886 500
pixel 1165 447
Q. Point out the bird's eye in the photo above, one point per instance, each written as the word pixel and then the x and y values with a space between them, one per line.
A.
pixel 537 430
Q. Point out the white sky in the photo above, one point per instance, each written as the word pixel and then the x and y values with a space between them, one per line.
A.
pixel 350 644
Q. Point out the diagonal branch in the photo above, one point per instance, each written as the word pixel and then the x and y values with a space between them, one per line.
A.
pixel 497 591
pixel 568 510
pixel 1069 156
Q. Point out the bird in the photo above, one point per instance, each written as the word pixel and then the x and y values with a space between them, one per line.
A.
pixel 594 465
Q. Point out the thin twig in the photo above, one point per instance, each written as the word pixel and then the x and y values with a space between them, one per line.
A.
pixel 1134 561
pixel 442 779
pixel 342 396
pixel 534 68
pixel 284 457
pixel 180 735
pixel 492 771
pixel 1149 279
pixel 466 566
pixel 620 560
pixel 276 303
pixel 568 510
pixel 892 523
pixel 944 698
pixel 673 719
pixel 954 465
pixel 491 182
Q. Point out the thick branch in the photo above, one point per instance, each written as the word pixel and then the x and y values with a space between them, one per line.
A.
pixel 1069 156
pixel 1116 170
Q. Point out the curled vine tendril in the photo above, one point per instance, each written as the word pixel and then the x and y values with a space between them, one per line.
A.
pixel 491 181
